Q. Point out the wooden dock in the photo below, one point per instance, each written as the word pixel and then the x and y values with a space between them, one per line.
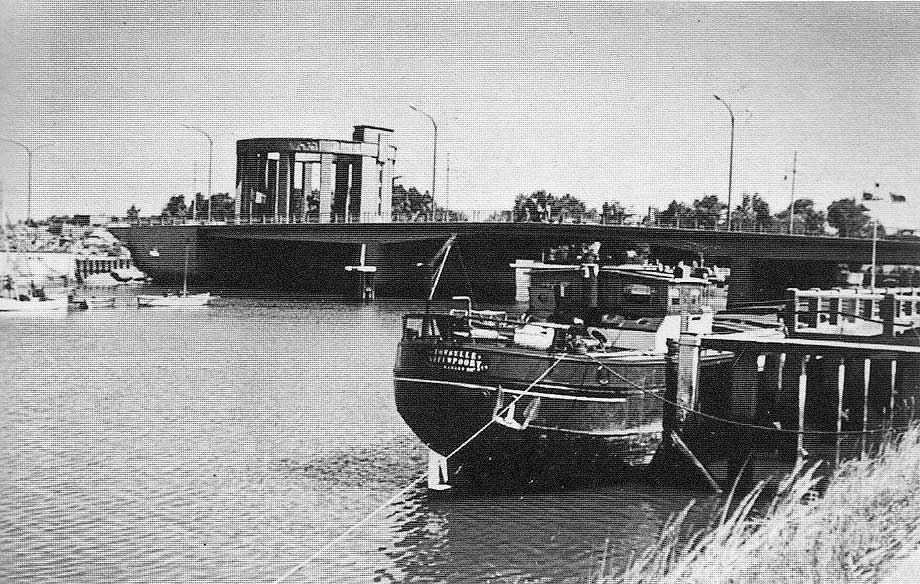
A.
pixel 784 388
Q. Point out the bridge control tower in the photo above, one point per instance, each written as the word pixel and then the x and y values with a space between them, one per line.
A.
pixel 316 180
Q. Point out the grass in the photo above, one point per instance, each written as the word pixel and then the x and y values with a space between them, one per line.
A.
pixel 865 523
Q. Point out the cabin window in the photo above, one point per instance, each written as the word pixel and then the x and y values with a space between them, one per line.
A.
pixel 638 294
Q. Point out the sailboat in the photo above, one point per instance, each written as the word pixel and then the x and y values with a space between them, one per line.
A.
pixel 182 300
pixel 35 300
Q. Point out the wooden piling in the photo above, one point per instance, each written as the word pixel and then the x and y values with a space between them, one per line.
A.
pixel 887 314
pixel 674 462
pixel 867 371
pixel 891 395
pixel 803 389
pixel 841 383
pixel 688 371
pixel 744 386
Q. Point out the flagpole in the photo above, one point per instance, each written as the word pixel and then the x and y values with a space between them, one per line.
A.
pixel 795 156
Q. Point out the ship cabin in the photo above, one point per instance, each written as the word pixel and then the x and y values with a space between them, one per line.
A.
pixel 630 306
pixel 585 308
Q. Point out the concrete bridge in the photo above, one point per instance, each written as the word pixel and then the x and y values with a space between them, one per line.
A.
pixel 304 255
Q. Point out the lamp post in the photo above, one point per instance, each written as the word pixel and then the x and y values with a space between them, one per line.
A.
pixel 210 161
pixel 795 156
pixel 731 157
pixel 29 153
pixel 434 152
pixel 874 254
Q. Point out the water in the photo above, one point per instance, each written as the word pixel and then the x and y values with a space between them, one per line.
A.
pixel 228 444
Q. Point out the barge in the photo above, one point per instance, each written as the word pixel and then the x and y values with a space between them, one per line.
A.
pixel 575 386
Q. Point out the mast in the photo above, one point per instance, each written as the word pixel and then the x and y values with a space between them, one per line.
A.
pixel 445 250
pixel 6 244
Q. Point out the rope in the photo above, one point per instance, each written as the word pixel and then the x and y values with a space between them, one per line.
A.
pixel 350 530
pixel 415 482
pixel 733 422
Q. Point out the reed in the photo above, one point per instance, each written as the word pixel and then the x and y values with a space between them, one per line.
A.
pixel 866 521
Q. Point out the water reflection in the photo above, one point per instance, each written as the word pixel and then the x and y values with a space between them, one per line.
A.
pixel 229 444
pixel 536 537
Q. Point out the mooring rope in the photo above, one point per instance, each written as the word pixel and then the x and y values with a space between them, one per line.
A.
pixel 415 482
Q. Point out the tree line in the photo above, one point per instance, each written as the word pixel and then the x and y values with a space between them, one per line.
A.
pixel 849 217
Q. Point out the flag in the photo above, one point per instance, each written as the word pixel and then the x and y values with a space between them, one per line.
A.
pixel 154 253
pixel 868 197
pixel 260 198
pixel 898 198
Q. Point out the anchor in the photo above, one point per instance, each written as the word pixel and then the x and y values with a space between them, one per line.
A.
pixel 507 419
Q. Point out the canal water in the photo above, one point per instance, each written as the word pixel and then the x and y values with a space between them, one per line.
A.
pixel 228 444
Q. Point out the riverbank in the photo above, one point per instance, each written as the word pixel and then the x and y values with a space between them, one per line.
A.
pixel 864 528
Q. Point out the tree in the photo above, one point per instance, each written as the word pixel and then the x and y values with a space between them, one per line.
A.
pixel 201 206
pixel 223 207
pixel 532 207
pixel 804 217
pixel 753 213
pixel 614 212
pixel 849 218
pixel 567 209
pixel 676 215
pixel 708 211
pixel 175 207
pixel 543 206
pixel 133 214
pixel 410 205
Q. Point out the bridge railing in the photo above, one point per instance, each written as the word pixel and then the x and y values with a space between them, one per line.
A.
pixel 482 216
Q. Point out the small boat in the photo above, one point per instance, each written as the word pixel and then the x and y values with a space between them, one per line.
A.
pixel 32 304
pixel 181 300
pixel 130 275
pixel 93 302
pixel 577 385
pixel 184 300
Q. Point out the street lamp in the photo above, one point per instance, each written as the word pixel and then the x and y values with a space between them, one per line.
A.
pixel 731 156
pixel 434 155
pixel 874 254
pixel 29 152
pixel 210 160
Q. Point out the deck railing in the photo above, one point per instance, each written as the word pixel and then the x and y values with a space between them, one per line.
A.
pixel 836 308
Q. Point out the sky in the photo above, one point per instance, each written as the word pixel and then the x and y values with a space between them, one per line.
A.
pixel 602 101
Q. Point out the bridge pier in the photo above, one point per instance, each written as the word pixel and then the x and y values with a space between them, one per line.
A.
pixel 370 258
pixel 740 281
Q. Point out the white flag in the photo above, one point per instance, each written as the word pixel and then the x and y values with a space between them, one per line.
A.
pixel 154 253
